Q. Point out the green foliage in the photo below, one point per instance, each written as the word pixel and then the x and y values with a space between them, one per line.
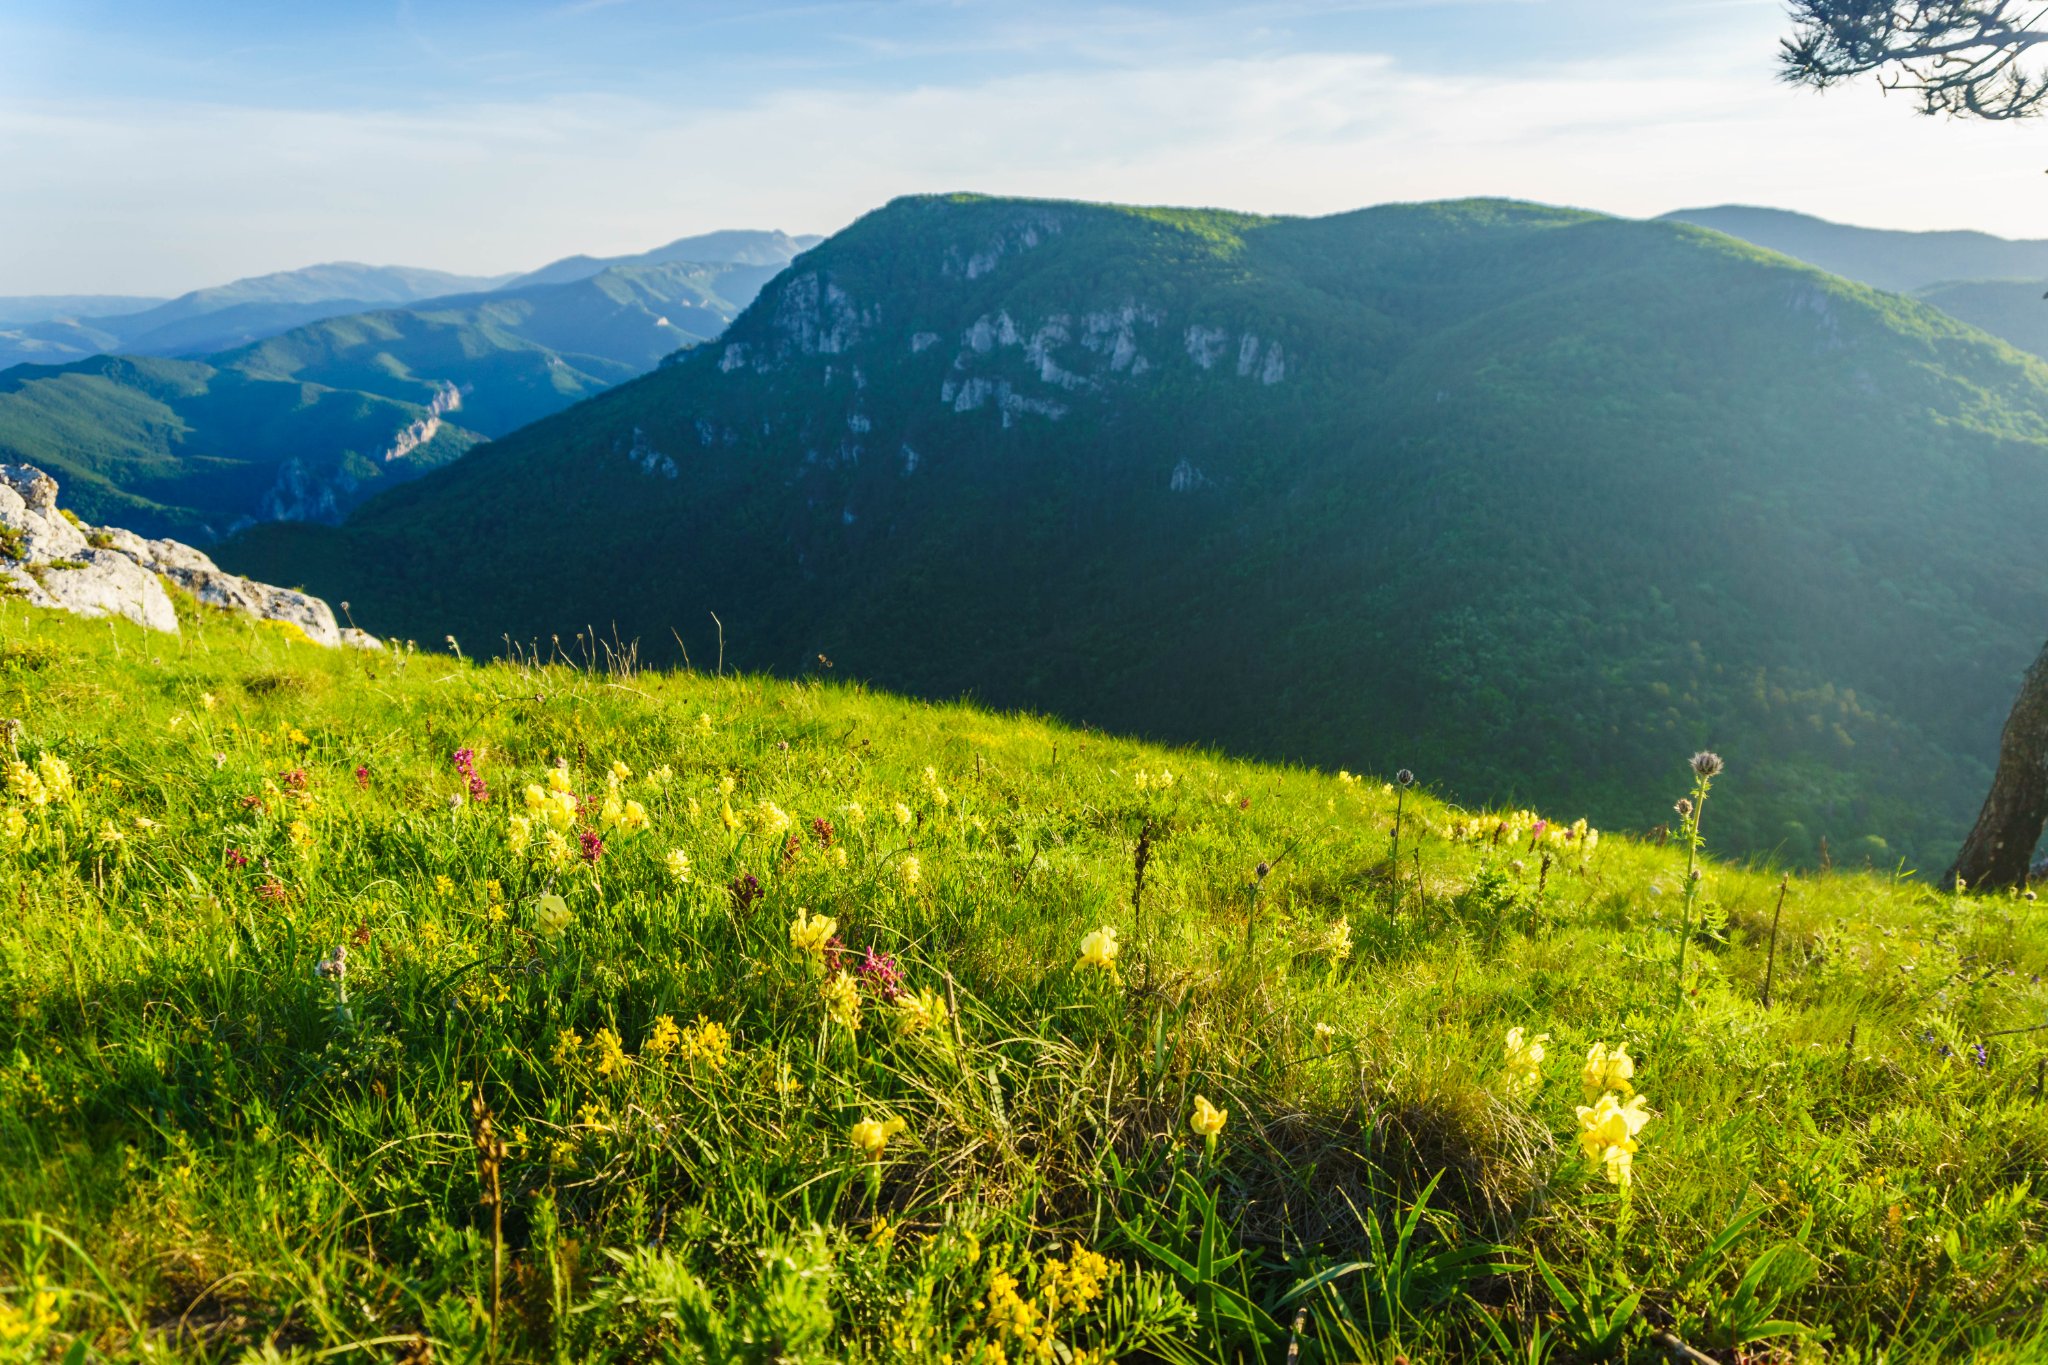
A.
pixel 302 423
pixel 303 1051
pixel 1536 498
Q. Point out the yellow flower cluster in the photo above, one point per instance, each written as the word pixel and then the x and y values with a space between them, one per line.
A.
pixel 1157 782
pixel 933 789
pixel 919 1010
pixel 842 1001
pixel 1607 1126
pixel 1607 1132
pixel 1065 1288
pixel 872 1135
pixel 555 804
pixel 48 783
pixel 703 1041
pixel 611 1053
pixel 627 817
pixel 810 933
pixel 1207 1120
pixel 678 863
pixel 768 820
pixel 1525 1059
pixel 1608 1069
pixel 909 871
pixel 1099 949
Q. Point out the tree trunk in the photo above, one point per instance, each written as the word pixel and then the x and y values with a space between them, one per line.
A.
pixel 2001 846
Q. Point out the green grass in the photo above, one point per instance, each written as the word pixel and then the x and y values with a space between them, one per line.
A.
pixel 210 1150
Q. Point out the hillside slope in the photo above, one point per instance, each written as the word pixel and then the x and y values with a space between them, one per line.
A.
pixel 182 448
pixel 386 1006
pixel 1518 497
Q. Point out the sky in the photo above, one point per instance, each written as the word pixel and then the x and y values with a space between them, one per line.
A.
pixel 152 148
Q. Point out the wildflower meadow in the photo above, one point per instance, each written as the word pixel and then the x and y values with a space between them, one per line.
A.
pixel 399 1006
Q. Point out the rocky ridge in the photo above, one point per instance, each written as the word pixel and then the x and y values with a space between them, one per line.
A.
pixel 54 560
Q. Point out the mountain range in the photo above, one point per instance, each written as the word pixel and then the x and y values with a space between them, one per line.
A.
pixel 304 421
pixel 1532 501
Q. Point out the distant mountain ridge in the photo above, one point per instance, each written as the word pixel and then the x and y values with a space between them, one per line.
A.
pixel 1532 501
pixel 302 423
pixel 1880 257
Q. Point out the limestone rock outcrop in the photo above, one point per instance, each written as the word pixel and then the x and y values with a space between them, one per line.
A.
pixel 55 561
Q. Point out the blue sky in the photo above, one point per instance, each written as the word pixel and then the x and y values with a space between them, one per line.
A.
pixel 155 148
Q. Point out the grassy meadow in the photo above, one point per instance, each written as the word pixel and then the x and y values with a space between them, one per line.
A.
pixel 402 1007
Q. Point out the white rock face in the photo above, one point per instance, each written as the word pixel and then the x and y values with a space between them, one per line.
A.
pixel 113 572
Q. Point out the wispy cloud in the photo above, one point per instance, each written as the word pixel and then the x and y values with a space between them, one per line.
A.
pixel 138 195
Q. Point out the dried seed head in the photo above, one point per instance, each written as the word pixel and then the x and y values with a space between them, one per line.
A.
pixel 1263 869
pixel 1684 807
pixel 1405 778
pixel 1706 764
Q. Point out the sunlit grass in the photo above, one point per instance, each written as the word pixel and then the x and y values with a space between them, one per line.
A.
pixel 270 969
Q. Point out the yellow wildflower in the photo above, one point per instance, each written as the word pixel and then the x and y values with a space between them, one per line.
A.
pixel 727 818
pixel 662 776
pixel 708 1042
pixel 842 1001
pixel 919 1010
pixel 14 825
pixel 881 1232
pixel 768 820
pixel 1099 949
pixel 1607 1133
pixel 1075 1283
pixel 810 933
pixel 727 785
pixel 23 784
pixel 557 849
pixel 1525 1058
pixel 554 915
pixel 208 700
pixel 558 780
pixel 1207 1120
pixel 301 835
pixel 909 870
pixel 519 834
pixel 904 815
pixel 871 1135
pixel 444 885
pixel 661 1038
pixel 853 812
pixel 678 866
pixel 1337 940
pixel 1325 1037
pixel 568 1048
pixel 620 772
pixel 1608 1070
pixel 611 1053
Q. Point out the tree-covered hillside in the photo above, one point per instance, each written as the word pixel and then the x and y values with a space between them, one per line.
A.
pixel 303 425
pixel 1519 497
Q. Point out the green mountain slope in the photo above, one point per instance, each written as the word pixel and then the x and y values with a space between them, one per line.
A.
pixel 2014 310
pixel 1518 497
pixel 519 355
pixel 299 426
pixel 182 448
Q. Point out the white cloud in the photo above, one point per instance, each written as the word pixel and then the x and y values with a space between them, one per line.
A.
pixel 136 196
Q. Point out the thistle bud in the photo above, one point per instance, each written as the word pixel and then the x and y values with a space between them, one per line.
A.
pixel 1684 807
pixel 1405 778
pixel 1706 765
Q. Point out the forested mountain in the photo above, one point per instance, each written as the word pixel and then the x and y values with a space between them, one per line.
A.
pixel 303 425
pixel 1528 500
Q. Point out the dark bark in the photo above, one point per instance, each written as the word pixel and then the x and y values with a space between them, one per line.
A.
pixel 1999 849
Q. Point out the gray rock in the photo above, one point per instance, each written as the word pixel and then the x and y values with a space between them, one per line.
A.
pixel 59 565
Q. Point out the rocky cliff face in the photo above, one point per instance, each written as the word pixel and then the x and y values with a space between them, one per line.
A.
pixel 56 561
